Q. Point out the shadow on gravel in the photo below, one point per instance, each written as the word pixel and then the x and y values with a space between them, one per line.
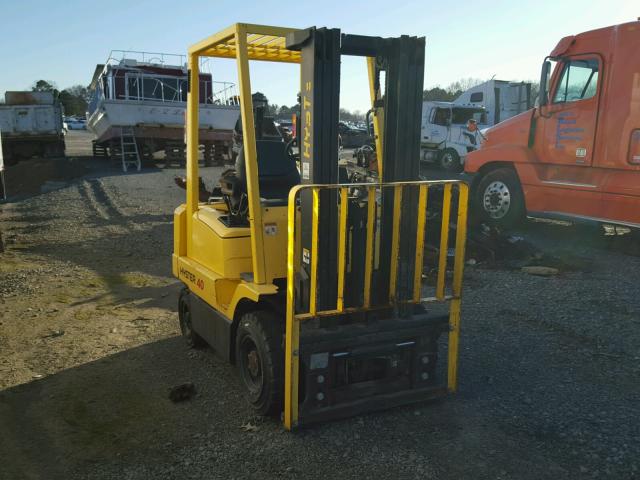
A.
pixel 112 418
pixel 559 246
pixel 32 177
pixel 41 175
pixel 580 238
pixel 98 412
pixel 122 293
pixel 143 243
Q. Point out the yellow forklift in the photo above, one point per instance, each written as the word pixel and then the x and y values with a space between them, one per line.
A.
pixel 311 285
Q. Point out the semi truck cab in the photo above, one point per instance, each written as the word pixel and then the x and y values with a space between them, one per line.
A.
pixel 576 154
pixel 449 132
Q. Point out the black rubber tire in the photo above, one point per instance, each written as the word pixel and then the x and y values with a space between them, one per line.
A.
pixel 449 160
pixel 10 158
pixel 192 339
pixel 146 155
pixel 515 212
pixel 261 332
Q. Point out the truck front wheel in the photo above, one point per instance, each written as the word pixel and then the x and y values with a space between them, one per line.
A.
pixel 499 198
pixel 450 160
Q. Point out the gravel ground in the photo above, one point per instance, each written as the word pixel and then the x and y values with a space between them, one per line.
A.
pixel 549 367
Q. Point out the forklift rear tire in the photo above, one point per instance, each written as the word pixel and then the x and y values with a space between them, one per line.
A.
pixel 192 339
pixel 260 360
pixel 450 160
pixel 499 198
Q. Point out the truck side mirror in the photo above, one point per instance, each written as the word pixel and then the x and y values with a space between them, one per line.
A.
pixel 543 98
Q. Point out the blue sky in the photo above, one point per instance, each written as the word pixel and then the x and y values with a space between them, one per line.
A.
pixel 64 40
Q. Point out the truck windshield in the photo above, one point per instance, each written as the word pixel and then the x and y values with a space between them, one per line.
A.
pixel 462 115
pixel 441 116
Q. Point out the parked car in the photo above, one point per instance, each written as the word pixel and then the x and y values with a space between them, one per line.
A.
pixel 71 123
pixel 351 137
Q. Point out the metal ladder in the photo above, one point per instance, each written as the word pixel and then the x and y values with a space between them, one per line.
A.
pixel 129 150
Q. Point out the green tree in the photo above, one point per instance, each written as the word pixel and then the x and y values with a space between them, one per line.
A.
pixel 451 91
pixel 272 109
pixel 463 85
pixel 286 112
pixel 44 86
pixel 348 116
pixel 75 100
pixel 80 92
pixel 437 94
pixel 283 110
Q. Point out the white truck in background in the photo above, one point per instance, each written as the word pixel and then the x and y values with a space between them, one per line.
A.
pixel 31 125
pixel 502 99
pixel 449 132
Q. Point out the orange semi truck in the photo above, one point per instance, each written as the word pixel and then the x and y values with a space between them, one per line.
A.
pixel 576 155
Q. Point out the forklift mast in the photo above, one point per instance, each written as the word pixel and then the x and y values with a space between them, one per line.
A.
pixel 397 99
pixel 320 106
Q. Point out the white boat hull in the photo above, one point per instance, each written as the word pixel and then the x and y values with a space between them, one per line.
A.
pixel 159 120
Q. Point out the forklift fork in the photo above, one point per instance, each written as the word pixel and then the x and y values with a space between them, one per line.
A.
pixel 351 359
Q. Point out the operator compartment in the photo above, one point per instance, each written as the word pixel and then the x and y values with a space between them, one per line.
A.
pixel 221 233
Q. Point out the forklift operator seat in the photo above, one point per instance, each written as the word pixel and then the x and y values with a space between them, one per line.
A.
pixel 277 173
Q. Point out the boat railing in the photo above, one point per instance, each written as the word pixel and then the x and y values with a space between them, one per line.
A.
pixel 155 58
pixel 144 86
pixel 223 93
pixel 166 88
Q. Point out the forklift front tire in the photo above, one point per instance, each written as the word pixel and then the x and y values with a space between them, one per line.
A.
pixel 192 339
pixel 260 361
